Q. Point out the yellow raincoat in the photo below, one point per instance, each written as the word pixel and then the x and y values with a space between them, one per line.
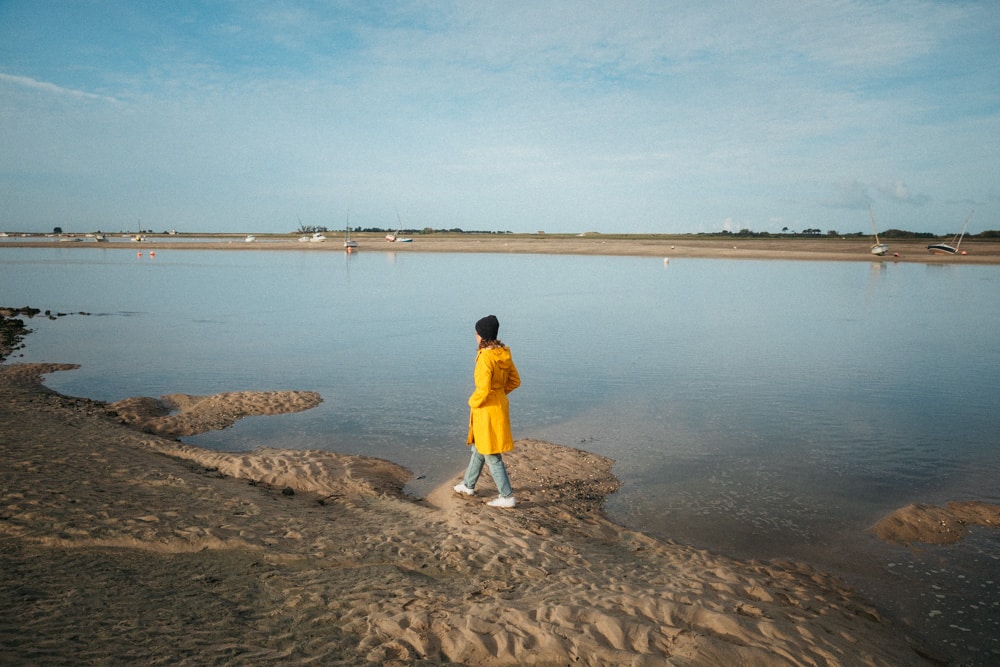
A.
pixel 489 418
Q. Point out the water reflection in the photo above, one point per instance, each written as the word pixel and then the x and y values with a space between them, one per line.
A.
pixel 765 409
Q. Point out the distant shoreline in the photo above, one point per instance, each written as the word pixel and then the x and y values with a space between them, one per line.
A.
pixel 667 247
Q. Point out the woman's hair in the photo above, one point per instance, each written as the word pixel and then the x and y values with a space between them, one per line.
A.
pixel 488 344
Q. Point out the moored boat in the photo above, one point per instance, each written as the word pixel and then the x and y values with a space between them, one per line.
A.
pixel 349 245
pixel 396 237
pixel 878 248
pixel 946 248
pixel 942 249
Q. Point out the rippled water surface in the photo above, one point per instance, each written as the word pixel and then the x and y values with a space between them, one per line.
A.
pixel 765 409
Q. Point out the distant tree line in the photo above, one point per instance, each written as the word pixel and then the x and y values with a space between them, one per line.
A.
pixel 381 230
pixel 743 233
pixel 311 229
pixel 833 233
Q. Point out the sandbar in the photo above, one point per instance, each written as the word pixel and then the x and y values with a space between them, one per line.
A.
pixel 669 247
pixel 119 545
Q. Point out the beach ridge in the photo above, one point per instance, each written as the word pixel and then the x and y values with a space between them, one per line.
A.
pixel 974 251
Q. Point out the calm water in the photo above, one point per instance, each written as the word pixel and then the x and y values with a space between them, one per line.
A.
pixel 762 409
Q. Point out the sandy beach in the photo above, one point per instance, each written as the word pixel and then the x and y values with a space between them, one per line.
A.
pixel 118 545
pixel 668 247
pixel 121 545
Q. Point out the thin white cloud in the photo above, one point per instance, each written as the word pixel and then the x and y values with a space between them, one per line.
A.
pixel 850 195
pixel 898 192
pixel 644 115
pixel 53 89
pixel 855 194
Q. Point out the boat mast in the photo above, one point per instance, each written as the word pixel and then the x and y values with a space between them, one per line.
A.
pixel 874 229
pixel 964 225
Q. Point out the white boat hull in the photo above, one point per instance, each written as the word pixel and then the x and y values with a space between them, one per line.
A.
pixel 880 249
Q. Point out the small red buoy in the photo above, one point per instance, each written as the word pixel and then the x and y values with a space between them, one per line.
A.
pixel 138 254
pixel 152 253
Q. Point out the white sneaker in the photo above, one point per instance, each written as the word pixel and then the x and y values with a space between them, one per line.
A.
pixel 500 501
pixel 464 490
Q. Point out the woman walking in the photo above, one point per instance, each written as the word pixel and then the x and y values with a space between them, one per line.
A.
pixel 489 418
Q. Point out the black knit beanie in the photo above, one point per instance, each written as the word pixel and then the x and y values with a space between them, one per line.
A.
pixel 488 327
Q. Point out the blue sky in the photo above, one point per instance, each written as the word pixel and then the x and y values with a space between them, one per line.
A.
pixel 562 116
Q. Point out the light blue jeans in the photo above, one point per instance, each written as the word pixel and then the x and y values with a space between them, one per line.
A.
pixel 497 470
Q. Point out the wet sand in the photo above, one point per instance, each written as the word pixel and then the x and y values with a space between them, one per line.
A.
pixel 118 545
pixel 668 247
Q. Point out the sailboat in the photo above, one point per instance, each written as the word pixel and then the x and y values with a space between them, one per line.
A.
pixel 946 249
pixel 349 245
pixel 879 248
pixel 393 237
